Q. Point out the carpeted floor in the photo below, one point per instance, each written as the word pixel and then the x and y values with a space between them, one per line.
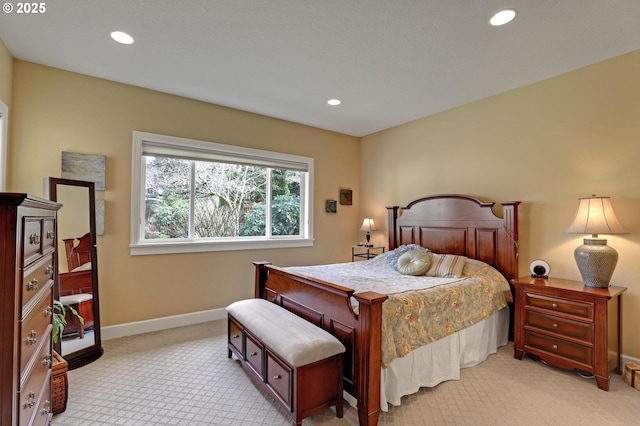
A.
pixel 183 377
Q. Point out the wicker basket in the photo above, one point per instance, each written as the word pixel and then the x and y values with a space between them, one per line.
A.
pixel 630 369
pixel 59 384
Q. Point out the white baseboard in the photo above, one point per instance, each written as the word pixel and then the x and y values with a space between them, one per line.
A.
pixel 146 326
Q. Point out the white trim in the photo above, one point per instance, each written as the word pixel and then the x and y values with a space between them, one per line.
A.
pixel 4 132
pixel 164 323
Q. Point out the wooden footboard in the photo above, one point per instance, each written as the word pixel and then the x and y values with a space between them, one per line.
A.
pixel 329 306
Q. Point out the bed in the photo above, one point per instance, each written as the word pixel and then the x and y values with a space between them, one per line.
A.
pixel 445 224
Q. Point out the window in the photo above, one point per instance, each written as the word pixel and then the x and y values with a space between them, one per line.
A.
pixel 190 195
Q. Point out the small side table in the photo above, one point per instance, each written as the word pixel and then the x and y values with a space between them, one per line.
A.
pixel 365 252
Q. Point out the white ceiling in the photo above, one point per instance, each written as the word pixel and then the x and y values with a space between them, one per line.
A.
pixel 389 61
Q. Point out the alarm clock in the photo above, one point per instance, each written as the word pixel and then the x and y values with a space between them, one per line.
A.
pixel 539 269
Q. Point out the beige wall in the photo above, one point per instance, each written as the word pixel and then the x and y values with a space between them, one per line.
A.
pixel 55 110
pixel 546 145
pixel 6 72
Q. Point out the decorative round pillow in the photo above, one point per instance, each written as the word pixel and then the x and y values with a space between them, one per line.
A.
pixel 414 262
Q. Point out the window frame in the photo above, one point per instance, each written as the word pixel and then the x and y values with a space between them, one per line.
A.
pixel 140 246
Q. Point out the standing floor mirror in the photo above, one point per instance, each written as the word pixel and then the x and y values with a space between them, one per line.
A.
pixel 77 269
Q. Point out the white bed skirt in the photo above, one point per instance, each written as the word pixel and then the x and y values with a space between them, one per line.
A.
pixel 442 360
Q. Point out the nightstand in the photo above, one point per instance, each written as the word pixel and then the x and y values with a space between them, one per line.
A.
pixel 569 325
pixel 365 252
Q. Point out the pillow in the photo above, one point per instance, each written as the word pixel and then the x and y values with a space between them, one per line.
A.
pixel 393 256
pixel 446 265
pixel 414 262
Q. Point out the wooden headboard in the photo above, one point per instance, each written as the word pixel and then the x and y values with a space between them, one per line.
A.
pixel 458 224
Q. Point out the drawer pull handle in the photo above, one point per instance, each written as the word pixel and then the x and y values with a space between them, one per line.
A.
pixel 33 285
pixel 555 325
pixel 48 313
pixel 32 339
pixel 50 235
pixel 277 377
pixel 31 401
pixel 34 239
pixel 47 407
pixel 555 346
pixel 48 270
pixel 253 354
pixel 47 361
pixel 554 305
pixel 237 336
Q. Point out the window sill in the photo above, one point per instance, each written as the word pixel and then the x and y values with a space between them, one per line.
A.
pixel 207 246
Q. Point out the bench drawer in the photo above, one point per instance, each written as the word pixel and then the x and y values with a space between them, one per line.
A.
pixel 235 337
pixel 279 378
pixel 255 354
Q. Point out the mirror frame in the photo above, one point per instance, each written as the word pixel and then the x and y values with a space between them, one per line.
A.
pixel 91 353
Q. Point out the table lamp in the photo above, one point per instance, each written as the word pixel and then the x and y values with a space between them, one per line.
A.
pixel 368 225
pixel 596 260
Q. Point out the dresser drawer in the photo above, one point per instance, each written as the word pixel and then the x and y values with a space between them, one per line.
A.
pixel 575 352
pixel 35 327
pixel 48 234
pixel 37 277
pixel 33 396
pixel 235 336
pixel 558 305
pixel 254 354
pixel 31 239
pixel 575 329
pixel 279 378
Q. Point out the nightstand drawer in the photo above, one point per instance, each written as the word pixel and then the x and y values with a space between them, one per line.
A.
pixel 577 330
pixel 575 352
pixel 557 305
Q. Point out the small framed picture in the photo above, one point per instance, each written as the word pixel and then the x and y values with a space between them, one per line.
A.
pixel 346 197
pixel 332 206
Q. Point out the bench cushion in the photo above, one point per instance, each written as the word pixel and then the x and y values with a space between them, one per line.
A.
pixel 75 299
pixel 293 338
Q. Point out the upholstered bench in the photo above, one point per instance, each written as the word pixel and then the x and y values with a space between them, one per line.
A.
pixel 83 304
pixel 282 353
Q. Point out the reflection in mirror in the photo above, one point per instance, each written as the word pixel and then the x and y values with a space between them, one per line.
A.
pixel 77 269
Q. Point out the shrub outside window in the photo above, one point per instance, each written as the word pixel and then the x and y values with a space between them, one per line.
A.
pixel 190 195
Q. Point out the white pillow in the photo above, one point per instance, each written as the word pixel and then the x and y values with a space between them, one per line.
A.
pixel 414 262
pixel 446 265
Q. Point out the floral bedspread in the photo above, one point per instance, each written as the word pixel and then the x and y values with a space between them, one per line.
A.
pixel 420 310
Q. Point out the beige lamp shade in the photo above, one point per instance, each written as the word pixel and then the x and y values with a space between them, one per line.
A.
pixel 595 259
pixel 368 225
pixel 595 216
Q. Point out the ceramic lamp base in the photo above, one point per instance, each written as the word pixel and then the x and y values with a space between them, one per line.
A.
pixel 596 262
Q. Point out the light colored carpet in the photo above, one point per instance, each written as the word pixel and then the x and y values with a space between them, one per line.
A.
pixel 183 377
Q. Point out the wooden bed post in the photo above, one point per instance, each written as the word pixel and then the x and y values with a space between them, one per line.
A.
pixel 260 278
pixel 369 356
pixel 509 258
pixel 392 213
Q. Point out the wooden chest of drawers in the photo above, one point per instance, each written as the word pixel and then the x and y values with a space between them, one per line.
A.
pixel 569 325
pixel 27 259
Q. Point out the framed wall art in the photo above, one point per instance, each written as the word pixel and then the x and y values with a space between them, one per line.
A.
pixel 86 167
pixel 346 197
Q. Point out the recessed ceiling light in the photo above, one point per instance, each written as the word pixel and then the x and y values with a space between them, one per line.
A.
pixel 334 102
pixel 503 17
pixel 121 37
